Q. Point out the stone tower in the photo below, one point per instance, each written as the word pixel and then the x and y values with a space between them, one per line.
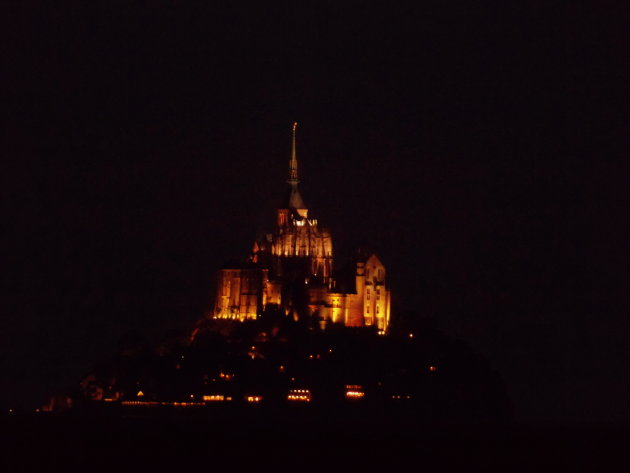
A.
pixel 292 269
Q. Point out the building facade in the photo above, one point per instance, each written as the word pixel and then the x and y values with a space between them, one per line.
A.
pixel 292 269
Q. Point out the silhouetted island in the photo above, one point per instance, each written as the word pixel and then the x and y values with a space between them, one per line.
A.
pixel 277 362
pixel 287 329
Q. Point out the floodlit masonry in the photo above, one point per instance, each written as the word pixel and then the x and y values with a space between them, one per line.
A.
pixel 292 269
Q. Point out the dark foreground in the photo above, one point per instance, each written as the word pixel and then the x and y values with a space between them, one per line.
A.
pixel 298 440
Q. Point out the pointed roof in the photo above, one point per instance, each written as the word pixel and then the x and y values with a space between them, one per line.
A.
pixel 374 260
pixel 293 199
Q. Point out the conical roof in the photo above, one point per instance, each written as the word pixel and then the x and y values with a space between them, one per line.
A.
pixel 293 199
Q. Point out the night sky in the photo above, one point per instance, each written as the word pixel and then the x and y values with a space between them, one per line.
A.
pixel 479 148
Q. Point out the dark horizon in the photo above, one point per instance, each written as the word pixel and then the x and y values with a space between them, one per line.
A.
pixel 480 150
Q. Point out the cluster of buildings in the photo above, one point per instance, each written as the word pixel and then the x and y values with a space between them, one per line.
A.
pixel 291 269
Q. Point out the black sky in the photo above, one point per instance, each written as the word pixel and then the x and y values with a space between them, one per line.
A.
pixel 478 147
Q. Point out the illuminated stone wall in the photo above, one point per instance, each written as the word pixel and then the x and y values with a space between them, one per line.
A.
pixel 240 293
pixel 244 293
pixel 376 297
pixel 300 253
pixel 300 237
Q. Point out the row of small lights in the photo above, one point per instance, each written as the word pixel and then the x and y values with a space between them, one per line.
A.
pixel 301 395
pixel 355 394
pixel 216 397
pixel 294 395
pixel 162 403
pixel 206 398
pixel 353 391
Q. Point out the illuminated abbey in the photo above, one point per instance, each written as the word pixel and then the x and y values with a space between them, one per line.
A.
pixel 291 269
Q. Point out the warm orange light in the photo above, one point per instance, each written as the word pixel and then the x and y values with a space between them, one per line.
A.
pixel 163 403
pixel 281 369
pixel 140 403
pixel 411 335
pixel 299 395
pixel 399 396
pixel 140 394
pixel 354 394
pixel 254 399
pixel 214 397
pixel 354 391
pixel 432 368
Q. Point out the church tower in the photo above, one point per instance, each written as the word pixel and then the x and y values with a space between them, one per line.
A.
pixel 292 269
pixel 299 248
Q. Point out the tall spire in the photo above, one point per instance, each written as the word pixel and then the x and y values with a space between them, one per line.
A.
pixel 293 165
pixel 294 199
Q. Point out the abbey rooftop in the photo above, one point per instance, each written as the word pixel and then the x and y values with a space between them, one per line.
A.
pixel 292 269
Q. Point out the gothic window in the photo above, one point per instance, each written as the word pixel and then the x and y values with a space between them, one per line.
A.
pixel 377 309
pixel 368 294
